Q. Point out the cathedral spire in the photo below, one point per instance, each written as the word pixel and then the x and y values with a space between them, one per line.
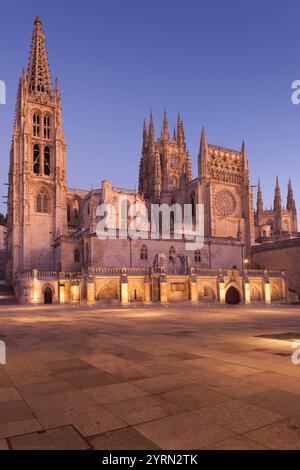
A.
pixel 166 134
pixel 145 137
pixel 174 135
pixel 180 132
pixel 203 154
pixel 39 80
pixel 277 196
pixel 290 197
pixel 245 161
pixel 260 204
pixel 151 130
pixel 278 208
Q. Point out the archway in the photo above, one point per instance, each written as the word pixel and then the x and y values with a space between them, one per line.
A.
pixel 232 296
pixel 48 296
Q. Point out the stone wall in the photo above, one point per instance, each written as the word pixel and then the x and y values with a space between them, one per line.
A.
pixel 207 286
pixel 282 255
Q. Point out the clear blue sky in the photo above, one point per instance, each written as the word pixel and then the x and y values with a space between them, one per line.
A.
pixel 224 64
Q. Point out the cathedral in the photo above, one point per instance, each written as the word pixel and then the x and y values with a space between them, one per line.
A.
pixel 53 253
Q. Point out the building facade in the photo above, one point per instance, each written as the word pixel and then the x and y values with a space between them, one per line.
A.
pixel 54 253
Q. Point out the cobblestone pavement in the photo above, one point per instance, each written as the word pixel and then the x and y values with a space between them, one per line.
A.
pixel 183 377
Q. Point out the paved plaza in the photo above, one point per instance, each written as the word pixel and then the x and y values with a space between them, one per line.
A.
pixel 179 377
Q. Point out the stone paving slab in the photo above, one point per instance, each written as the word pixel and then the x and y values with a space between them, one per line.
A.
pixel 183 377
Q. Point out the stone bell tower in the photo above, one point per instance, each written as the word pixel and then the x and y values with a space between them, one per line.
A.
pixel 37 173
pixel 165 167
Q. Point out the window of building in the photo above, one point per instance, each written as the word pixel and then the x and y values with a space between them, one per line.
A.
pixel 36 159
pixel 42 203
pixel 47 127
pixel 68 213
pixel 144 253
pixel 193 204
pixel 39 203
pixel 197 256
pixel 172 253
pixel 36 125
pixel 47 161
pixel 76 256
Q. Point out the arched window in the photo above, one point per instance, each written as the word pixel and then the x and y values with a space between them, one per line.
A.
pixel 193 204
pixel 47 127
pixel 68 213
pixel 172 253
pixel 45 203
pixel 42 203
pixel 144 253
pixel 36 159
pixel 47 161
pixel 39 203
pixel 40 87
pixel 36 125
pixel 197 256
pixel 76 256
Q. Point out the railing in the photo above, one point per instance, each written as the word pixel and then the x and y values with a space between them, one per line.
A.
pixel 206 271
pixel 140 270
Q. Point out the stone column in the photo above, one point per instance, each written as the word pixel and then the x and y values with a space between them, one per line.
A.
pixel 75 292
pixel 163 287
pixel 124 288
pixel 35 293
pixel 61 293
pixel 90 291
pixel 267 288
pixel 147 290
pixel 247 291
pixel 193 289
pixel 221 285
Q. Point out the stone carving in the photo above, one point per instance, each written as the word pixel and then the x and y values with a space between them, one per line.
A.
pixel 225 202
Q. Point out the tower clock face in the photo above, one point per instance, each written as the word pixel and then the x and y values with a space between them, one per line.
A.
pixel 225 202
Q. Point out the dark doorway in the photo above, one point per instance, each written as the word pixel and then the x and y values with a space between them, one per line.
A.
pixel 232 296
pixel 48 296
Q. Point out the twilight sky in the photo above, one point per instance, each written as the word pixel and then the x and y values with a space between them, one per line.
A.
pixel 224 64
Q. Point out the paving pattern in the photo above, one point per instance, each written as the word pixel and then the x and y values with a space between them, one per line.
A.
pixel 184 377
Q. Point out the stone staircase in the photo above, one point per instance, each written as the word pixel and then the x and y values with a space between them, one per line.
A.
pixel 7 294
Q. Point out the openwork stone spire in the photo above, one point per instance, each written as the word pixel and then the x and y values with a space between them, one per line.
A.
pixel 39 80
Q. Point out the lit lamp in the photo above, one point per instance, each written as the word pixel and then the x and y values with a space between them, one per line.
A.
pixel 246 262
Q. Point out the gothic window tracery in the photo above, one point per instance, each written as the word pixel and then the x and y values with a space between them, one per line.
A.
pixel 47 161
pixel 47 127
pixel 225 202
pixel 144 253
pixel 36 125
pixel 42 202
pixel 36 159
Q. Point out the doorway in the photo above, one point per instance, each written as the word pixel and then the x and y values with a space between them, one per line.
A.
pixel 48 296
pixel 232 296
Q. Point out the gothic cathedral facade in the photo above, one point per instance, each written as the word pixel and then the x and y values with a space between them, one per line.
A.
pixel 53 252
